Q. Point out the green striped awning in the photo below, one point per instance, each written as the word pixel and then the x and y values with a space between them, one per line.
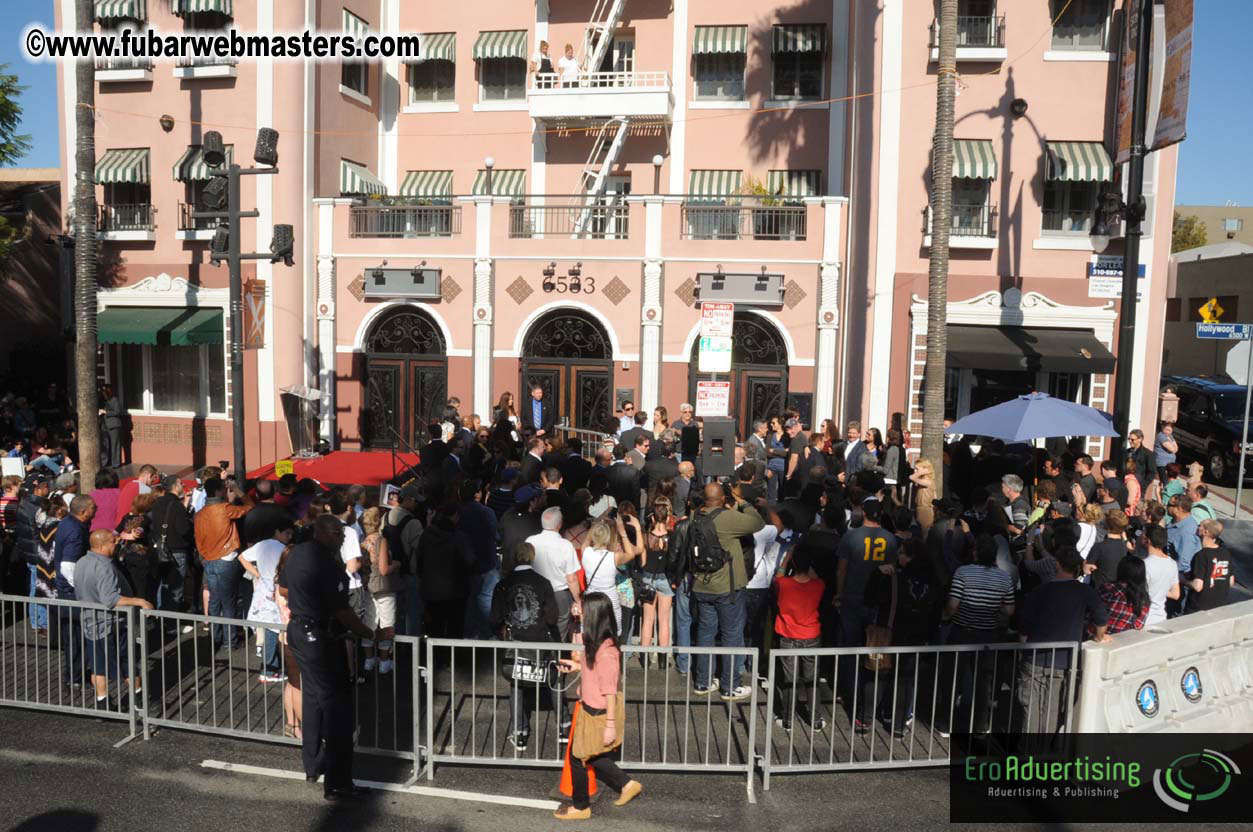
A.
pixel 120 166
pixel 354 25
pixel 713 185
pixel 709 40
pixel 795 183
pixel 174 326
pixel 437 47
pixel 973 159
pixel 192 6
pixel 122 10
pixel 435 183
pixel 504 183
pixel 508 44
pixel 356 179
pixel 1079 162
pixel 191 166
pixel 803 37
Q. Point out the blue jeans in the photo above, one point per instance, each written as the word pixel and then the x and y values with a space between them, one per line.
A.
pixel 720 617
pixel 222 578
pixel 479 609
pixel 273 661
pixel 682 624
pixel 49 464
pixel 38 614
pixel 171 591
pixel 410 622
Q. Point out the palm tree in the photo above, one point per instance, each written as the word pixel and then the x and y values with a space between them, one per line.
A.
pixel 941 224
pixel 85 259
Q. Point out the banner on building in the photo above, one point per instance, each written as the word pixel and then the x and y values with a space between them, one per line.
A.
pixel 254 315
pixel 717 321
pixel 713 398
pixel 1170 73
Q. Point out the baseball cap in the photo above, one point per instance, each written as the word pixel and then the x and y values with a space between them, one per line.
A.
pixel 411 492
pixel 509 475
pixel 526 494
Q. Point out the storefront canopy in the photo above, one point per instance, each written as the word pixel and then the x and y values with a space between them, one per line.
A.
pixel 355 26
pixel 356 179
pixel 440 46
pixel 121 10
pixel 1079 162
pixel 795 183
pixel 174 326
pixel 504 182
pixel 973 159
pixel 711 40
pixel 123 166
pixel 804 37
pixel 1027 348
pixel 429 183
pixel 181 7
pixel 509 44
pixel 191 166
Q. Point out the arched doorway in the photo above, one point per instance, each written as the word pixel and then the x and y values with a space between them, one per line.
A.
pixel 568 353
pixel 758 370
pixel 406 377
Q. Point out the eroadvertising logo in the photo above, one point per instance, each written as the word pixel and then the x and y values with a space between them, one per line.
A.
pixel 1093 778
pixel 1194 778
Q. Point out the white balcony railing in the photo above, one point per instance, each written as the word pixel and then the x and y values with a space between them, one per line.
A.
pixel 601 95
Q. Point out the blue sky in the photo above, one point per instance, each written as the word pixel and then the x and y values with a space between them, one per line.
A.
pixel 1215 162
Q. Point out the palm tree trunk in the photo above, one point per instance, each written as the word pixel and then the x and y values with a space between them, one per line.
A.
pixel 85 375
pixel 941 224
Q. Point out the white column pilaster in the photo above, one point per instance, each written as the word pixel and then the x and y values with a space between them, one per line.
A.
pixel 828 311
pixel 267 390
pixel 678 74
pixel 651 308
pixel 389 101
pixel 483 304
pixel 326 319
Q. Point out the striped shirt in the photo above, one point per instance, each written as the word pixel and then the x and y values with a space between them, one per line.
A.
pixel 980 592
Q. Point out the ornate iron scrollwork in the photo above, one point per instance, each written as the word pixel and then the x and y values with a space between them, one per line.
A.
pixel 567 334
pixel 406 331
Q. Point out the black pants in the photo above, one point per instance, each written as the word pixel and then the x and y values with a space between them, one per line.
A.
pixel 69 638
pixel 327 699
pixel 446 619
pixel 606 769
pixel 756 611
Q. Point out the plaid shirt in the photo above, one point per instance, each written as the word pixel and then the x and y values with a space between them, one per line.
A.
pixel 1121 614
pixel 8 513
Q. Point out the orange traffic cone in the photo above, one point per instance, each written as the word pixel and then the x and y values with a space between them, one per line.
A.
pixel 566 787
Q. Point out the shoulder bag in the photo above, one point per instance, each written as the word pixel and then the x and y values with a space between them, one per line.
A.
pixel 587 737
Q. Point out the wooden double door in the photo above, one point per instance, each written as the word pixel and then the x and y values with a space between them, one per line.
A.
pixel 581 391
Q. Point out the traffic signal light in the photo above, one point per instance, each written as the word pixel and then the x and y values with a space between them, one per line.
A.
pixel 266 152
pixel 219 246
pixel 215 194
pixel 282 244
pixel 213 149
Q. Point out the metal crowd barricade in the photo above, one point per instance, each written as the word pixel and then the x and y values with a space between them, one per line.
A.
pixel 195 686
pixel 53 671
pixel 908 711
pixel 472 709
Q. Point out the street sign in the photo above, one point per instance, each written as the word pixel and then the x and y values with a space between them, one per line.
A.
pixel 1211 312
pixel 713 398
pixel 284 467
pixel 1225 332
pixel 717 320
pixel 1105 277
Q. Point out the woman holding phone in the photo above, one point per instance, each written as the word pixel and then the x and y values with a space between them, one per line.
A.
pixel 600 664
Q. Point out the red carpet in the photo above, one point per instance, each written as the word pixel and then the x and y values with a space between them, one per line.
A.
pixel 345 467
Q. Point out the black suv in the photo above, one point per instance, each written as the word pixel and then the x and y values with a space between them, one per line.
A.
pixel 1211 415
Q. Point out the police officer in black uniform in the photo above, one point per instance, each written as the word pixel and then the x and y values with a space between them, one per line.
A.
pixel 317 595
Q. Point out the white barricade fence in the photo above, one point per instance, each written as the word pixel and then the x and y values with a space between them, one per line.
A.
pixel 835 708
pixel 251 688
pixel 1188 674
pixel 51 668
pixel 476 709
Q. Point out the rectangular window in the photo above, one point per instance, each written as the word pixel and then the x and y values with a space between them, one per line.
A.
pixel 1082 25
pixel 797 76
pixel 205 21
pixel 719 76
pixel 356 76
pixel 1233 224
pixel 432 81
pixel 1068 206
pixel 127 207
pixel 166 379
pixel 970 207
pixel 502 79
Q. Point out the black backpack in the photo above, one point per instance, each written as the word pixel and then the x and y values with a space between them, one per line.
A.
pixel 392 534
pixel 705 554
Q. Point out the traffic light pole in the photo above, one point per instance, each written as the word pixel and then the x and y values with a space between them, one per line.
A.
pixel 1134 217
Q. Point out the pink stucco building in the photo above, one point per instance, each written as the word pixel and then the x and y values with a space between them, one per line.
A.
pixel 467 225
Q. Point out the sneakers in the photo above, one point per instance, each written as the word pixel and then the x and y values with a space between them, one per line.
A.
pixel 271 678
pixel 189 628
pixel 900 733
pixel 738 694
pixel 370 663
pixel 519 740
pixel 386 665
pixel 259 648
pixel 861 728
pixel 785 724
pixel 706 689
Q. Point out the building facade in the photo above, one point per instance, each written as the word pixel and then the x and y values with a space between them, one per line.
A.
pixel 470 224
pixel 1222 222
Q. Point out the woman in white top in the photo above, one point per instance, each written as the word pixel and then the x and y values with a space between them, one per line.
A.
pixel 1161 575
pixel 1091 521
pixel 568 67
pixel 606 550
pixel 261 562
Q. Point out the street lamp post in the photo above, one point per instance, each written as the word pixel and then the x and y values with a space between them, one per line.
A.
pixel 1108 210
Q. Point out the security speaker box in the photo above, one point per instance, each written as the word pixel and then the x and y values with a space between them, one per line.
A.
pixel 717 458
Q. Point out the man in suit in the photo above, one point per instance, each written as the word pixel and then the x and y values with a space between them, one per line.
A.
pixel 854 449
pixel 639 453
pixel 555 495
pixel 659 467
pixel 537 415
pixel 683 487
pixel 629 437
pixel 575 470
pixel 623 478
pixel 532 461
pixel 755 445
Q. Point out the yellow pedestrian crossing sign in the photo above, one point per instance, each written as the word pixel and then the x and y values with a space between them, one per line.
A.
pixel 1211 312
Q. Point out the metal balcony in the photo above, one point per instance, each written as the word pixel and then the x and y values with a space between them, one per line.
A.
pixel 598 222
pixel 978 39
pixel 972 227
pixel 404 221
pixel 743 219
pixel 601 95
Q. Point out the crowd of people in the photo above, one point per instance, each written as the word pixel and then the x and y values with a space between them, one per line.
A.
pixel 509 527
